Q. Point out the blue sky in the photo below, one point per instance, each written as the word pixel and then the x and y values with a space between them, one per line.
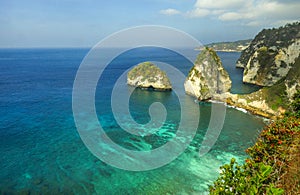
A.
pixel 83 23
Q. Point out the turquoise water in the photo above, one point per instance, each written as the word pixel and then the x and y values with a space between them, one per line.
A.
pixel 41 150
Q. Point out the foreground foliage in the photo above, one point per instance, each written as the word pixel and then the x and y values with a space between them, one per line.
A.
pixel 271 159
pixel 273 166
pixel 274 163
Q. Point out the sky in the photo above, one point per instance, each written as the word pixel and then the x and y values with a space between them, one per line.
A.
pixel 83 23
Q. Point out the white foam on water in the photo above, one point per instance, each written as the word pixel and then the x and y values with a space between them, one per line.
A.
pixel 237 108
pixel 216 102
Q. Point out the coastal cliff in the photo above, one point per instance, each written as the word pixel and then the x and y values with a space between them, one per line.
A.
pixel 208 80
pixel 147 75
pixel 271 55
pixel 272 60
pixel 274 101
pixel 207 77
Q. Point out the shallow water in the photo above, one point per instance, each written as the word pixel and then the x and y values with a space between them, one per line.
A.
pixel 41 150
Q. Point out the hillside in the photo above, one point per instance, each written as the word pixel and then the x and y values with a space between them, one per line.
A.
pixel 271 55
pixel 235 46
pixel 274 62
pixel 273 38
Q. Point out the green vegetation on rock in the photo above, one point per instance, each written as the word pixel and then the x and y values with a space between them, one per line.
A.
pixel 146 69
pixel 271 55
pixel 235 46
pixel 208 52
pixel 272 38
pixel 277 95
pixel 148 75
pixel 296 104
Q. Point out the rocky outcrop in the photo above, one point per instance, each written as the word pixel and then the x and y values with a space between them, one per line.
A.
pixel 272 60
pixel 270 102
pixel 148 75
pixel 207 77
pixel 271 55
pixel 256 104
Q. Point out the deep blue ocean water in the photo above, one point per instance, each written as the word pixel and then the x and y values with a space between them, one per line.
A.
pixel 41 150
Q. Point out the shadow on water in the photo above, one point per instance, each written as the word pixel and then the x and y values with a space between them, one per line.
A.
pixel 236 74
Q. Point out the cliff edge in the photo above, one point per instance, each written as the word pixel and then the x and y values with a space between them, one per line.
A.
pixel 271 55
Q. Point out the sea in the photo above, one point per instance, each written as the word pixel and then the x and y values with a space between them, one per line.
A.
pixel 42 151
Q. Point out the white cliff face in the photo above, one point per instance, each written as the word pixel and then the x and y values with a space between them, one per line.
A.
pixel 269 65
pixel 207 77
pixel 292 89
pixel 148 75
pixel 251 72
pixel 271 55
pixel 156 82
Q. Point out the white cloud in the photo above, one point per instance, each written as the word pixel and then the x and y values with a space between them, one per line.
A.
pixel 217 11
pixel 219 4
pixel 230 16
pixel 279 10
pixel 170 12
pixel 266 10
pixel 254 23
pixel 249 12
pixel 198 12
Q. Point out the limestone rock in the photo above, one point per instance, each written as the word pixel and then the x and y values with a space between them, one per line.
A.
pixel 271 102
pixel 255 103
pixel 292 80
pixel 271 55
pixel 207 77
pixel 148 75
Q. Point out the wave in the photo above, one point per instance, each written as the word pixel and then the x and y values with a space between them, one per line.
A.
pixel 238 108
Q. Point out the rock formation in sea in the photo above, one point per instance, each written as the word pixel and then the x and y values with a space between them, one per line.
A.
pixel 207 77
pixel 148 75
pixel 271 55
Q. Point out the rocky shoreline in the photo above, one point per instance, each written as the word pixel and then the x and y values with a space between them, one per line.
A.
pixel 257 107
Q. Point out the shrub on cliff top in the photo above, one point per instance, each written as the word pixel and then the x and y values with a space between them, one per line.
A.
pixel 273 166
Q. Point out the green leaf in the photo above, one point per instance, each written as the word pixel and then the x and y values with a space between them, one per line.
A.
pixel 265 170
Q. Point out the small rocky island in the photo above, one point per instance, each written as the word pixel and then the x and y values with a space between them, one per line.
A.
pixel 147 75
pixel 207 77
